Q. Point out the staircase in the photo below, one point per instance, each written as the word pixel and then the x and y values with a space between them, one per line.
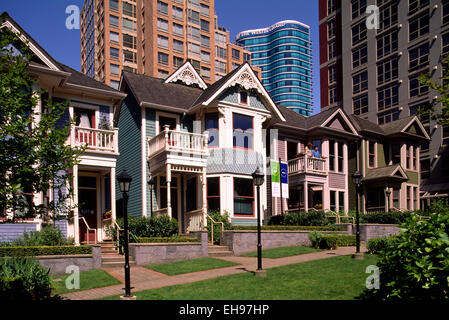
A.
pixel 110 258
pixel 219 251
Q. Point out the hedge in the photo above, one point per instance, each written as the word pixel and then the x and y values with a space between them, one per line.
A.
pixel 165 239
pixel 376 245
pixel 299 228
pixel 29 251
pixel 335 241
pixel 385 217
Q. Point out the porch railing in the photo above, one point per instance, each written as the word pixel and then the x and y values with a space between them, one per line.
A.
pixel 160 212
pixel 95 139
pixel 194 220
pixel 89 229
pixel 307 164
pixel 375 209
pixel 213 222
pixel 178 141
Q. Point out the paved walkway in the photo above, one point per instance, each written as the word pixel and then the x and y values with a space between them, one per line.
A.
pixel 145 279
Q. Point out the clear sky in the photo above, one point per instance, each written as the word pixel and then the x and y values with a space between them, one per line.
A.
pixel 45 21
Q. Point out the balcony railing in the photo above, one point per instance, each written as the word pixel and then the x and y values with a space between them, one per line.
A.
pixel 186 143
pixel 95 139
pixel 307 164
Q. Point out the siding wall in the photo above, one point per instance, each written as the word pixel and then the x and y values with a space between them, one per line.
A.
pixel 11 231
pixel 232 95
pixel 150 127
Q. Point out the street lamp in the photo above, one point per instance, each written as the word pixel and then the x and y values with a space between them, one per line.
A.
pixel 357 179
pixel 151 184
pixel 388 193
pixel 258 178
pixel 124 180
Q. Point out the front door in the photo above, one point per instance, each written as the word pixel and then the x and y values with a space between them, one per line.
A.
pixel 87 202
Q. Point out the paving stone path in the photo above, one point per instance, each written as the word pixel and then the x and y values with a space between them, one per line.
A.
pixel 145 279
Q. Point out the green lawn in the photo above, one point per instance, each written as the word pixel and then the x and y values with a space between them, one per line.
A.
pixel 88 280
pixel 282 252
pixel 336 278
pixel 187 266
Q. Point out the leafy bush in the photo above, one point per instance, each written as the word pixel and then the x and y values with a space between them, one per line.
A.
pixel 48 236
pixel 165 239
pixel 292 228
pixel 414 264
pixel 312 218
pixel 376 245
pixel 385 217
pixel 328 241
pixel 217 217
pixel 315 238
pixel 29 251
pixel 23 279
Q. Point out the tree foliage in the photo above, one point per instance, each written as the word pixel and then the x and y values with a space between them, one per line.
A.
pixel 33 155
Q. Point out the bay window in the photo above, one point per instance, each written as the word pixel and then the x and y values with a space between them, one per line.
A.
pixel 242 131
pixel 243 197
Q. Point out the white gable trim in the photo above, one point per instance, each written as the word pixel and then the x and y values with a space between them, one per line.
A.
pixel 187 74
pixel 345 118
pixel 30 45
pixel 414 119
pixel 248 80
pixel 401 171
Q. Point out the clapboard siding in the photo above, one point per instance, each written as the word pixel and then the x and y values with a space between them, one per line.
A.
pixel 232 95
pixel 337 181
pixel 130 154
pixel 11 231
pixel 150 127
pixel 62 225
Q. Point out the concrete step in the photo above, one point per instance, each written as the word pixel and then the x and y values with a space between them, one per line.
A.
pixel 218 248
pixel 116 264
pixel 220 253
pixel 113 259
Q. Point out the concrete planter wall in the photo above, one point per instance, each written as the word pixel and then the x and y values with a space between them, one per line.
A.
pixel 154 253
pixel 85 262
pixel 372 230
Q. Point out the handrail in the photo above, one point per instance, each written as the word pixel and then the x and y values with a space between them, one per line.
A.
pixel 89 229
pixel 118 231
pixel 212 227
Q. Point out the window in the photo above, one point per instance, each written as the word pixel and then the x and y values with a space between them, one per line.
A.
pixel 332 50
pixel 211 126
pixel 418 57
pixel 194 16
pixel 195 64
pixel 408 156
pixel 204 9
pixel 414 157
pixel 220 66
pixel 129 9
pixel 194 49
pixel 358 7
pixel 341 201
pixel 221 52
pixel 204 25
pixel 360 82
pixel 242 131
pixel 387 70
pixel 247 58
pixel 371 154
pixel 445 12
pixel 409 198
pixel 162 42
pixel 178 29
pixel 333 200
pixel 332 94
pixel 360 104
pixel 162 58
pixel 213 194
pixel 332 73
pixel 388 116
pixel 359 56
pixel 162 24
pixel 331 6
pixel 178 45
pixel 445 132
pixel 114 69
pixel 113 21
pixel 331 28
pixel 129 25
pixel 396 154
pixel 387 97
pixel 415 198
pixel 419 26
pixel 162 7
pixel 292 150
pixel 416 87
pixel 114 53
pixel 445 43
pixel 129 41
pixel 425 169
pixel 177 62
pixel 243 97
pixel 387 43
pixel 205 41
pixel 129 56
pixel 243 197
pixel 340 157
pixel 220 39
pixel 396 198
pixel 194 33
pixel 177 13
pixel 388 16
pixel 113 5
pixel 332 155
pixel 129 69
pixel 235 54
pixel 205 72
pixel 205 56
pixel 358 32
pixel 416 5
pixel 115 84
pixel 114 37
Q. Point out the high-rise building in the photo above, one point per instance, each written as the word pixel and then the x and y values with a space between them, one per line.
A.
pixel 373 73
pixel 154 37
pixel 284 53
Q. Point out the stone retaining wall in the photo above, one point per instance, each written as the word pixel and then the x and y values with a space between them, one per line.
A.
pixel 85 262
pixel 372 230
pixel 154 253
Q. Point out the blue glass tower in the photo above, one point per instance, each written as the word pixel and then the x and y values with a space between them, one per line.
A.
pixel 284 53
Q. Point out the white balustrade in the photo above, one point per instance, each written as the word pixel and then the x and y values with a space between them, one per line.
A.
pixel 194 220
pixel 307 164
pixel 95 139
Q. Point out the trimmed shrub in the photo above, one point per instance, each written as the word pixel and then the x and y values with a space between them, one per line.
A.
pixel 29 251
pixel 23 279
pixel 48 236
pixel 385 217
pixel 293 228
pixel 312 218
pixel 165 239
pixel 334 241
pixel 376 245
pixel 315 238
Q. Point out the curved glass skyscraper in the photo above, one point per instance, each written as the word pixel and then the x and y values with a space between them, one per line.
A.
pixel 284 53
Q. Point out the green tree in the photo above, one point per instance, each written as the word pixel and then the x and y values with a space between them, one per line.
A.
pixel 33 155
pixel 438 109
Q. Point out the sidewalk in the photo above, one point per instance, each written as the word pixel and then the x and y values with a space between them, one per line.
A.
pixel 145 279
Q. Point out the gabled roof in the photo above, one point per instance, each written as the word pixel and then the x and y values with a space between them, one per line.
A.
pixel 366 126
pixel 402 125
pixel 187 74
pixel 394 172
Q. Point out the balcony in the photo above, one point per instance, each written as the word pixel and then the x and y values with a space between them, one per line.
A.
pixel 95 140
pixel 185 151
pixel 305 164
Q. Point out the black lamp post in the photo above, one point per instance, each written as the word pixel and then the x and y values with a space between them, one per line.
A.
pixel 124 180
pixel 357 179
pixel 151 183
pixel 388 193
pixel 258 178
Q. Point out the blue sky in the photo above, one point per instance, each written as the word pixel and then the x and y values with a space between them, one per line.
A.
pixel 45 20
